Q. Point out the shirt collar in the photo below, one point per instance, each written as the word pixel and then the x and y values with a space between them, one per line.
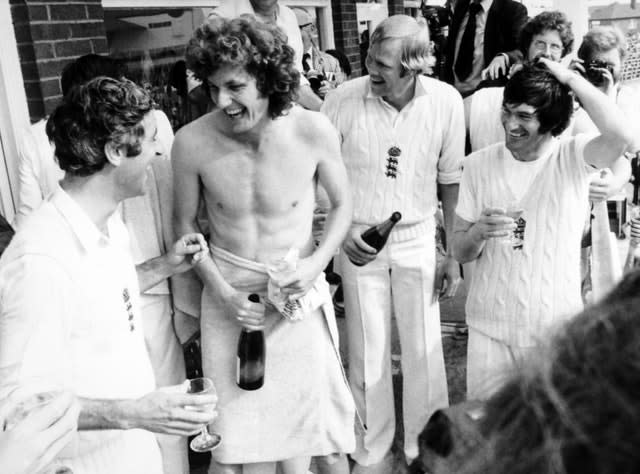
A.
pixel 486 4
pixel 82 226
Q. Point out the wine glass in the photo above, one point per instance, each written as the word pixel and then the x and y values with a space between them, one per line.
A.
pixel 205 441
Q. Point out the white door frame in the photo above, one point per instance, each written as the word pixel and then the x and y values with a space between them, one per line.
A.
pixel 14 113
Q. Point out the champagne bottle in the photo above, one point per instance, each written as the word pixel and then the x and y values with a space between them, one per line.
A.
pixel 377 235
pixel 251 356
pixel 632 261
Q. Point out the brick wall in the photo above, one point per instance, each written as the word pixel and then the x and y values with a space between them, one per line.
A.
pixel 50 34
pixel 345 31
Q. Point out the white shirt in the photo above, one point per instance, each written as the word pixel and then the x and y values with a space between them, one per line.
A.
pixel 64 318
pixel 428 131
pixel 285 19
pixel 472 81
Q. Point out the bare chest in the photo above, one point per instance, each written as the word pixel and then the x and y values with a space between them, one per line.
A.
pixel 269 182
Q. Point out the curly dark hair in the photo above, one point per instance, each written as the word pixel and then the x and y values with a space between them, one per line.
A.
pixel 259 48
pixel 545 21
pixel 534 85
pixel 101 111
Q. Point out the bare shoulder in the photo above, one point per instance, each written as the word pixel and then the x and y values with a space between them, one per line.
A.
pixel 190 140
pixel 313 127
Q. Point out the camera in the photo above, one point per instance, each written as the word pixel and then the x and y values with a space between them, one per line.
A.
pixel 315 80
pixel 594 72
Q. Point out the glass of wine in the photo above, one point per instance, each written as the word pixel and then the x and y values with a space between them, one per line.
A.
pixel 205 441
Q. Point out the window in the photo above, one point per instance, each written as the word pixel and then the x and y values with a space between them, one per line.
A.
pixel 150 37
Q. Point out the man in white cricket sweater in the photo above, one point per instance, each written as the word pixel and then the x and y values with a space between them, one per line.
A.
pixel 70 313
pixel 402 138
pixel 518 293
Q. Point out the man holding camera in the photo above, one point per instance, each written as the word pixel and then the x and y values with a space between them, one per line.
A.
pixel 600 58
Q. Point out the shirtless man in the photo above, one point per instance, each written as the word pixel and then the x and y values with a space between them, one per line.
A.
pixel 256 161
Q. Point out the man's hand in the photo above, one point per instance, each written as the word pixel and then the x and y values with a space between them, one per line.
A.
pixel 325 88
pixel 602 186
pixel 447 279
pixel 35 441
pixel 248 314
pixel 497 67
pixel 357 249
pixel 297 283
pixel 561 72
pixel 187 251
pixel 171 410
pixel 494 223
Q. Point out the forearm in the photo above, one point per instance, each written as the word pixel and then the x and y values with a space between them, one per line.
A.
pixel 621 170
pixel 467 245
pixel 449 197
pixel 106 414
pixel 153 271
pixel 308 99
pixel 336 227
pixel 605 114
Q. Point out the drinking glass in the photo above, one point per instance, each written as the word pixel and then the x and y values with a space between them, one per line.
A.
pixel 515 237
pixel 205 441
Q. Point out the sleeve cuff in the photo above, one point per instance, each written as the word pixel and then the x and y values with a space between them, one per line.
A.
pixel 449 177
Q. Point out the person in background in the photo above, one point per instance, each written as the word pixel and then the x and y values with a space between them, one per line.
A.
pixel 482 43
pixel 528 281
pixel 345 65
pixel 194 100
pixel 148 220
pixel 601 55
pixel 69 290
pixel 321 69
pixel 393 165
pixel 271 12
pixel 547 35
pixel 364 49
pixel 257 161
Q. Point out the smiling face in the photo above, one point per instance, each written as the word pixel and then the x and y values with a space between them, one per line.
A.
pixel 522 129
pixel 235 92
pixel 547 44
pixel 386 74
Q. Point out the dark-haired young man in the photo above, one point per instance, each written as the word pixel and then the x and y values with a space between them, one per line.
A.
pixel 69 292
pixel 518 292
pixel 256 161
pixel 546 35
